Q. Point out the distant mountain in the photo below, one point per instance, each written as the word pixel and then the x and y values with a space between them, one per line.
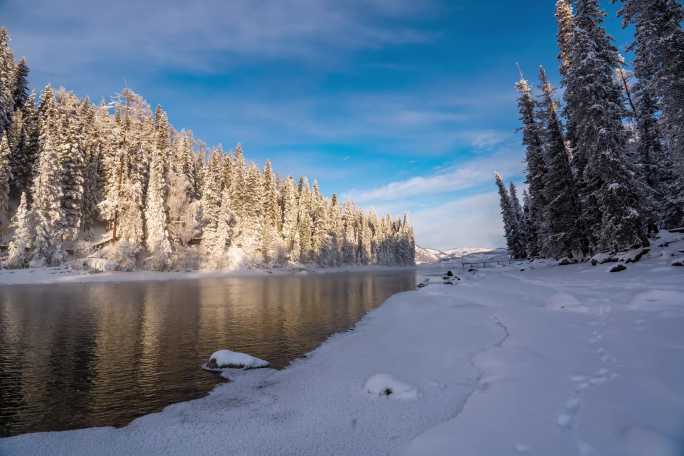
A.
pixel 425 255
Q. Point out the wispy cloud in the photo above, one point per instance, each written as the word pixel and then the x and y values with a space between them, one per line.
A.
pixel 71 33
pixel 472 222
pixel 450 179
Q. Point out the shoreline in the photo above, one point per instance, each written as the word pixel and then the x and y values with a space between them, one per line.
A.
pixel 67 275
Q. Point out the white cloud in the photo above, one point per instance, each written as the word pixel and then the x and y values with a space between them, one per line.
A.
pixel 469 222
pixel 59 35
pixel 454 178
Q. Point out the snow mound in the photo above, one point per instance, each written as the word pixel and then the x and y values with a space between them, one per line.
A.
pixel 226 359
pixel 384 385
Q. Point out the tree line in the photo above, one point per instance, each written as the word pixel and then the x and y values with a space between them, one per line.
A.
pixel 606 170
pixel 73 174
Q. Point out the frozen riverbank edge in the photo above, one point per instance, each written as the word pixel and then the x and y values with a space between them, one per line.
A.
pixel 551 360
pixel 66 274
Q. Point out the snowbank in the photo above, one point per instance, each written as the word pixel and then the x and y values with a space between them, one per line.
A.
pixel 226 359
pixel 559 361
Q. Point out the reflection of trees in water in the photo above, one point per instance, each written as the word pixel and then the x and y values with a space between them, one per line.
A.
pixel 101 354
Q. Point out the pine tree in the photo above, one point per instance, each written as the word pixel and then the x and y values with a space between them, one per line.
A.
pixel 69 143
pixel 47 189
pixel 252 223
pixel 6 81
pixel 22 240
pixel 20 90
pixel 565 21
pixel 611 207
pixel 659 62
pixel 156 211
pixel 211 200
pixel 272 224
pixel 563 237
pixel 5 176
pixel 520 234
pixel 510 220
pixel 290 213
pixel 536 168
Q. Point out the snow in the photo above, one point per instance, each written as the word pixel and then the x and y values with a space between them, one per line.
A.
pixel 384 385
pixel 552 360
pixel 223 359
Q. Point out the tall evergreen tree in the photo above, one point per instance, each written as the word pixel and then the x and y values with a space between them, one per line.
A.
pixel 6 81
pixel 536 168
pixel 18 252
pixel 563 236
pixel 5 176
pixel 20 88
pixel 611 207
pixel 47 189
pixel 509 218
pixel 659 62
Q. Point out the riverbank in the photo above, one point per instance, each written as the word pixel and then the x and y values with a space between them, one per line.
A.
pixel 528 359
pixel 70 274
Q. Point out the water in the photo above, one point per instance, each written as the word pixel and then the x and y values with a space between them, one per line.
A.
pixel 80 355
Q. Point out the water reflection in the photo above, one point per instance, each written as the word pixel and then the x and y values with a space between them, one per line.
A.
pixel 78 355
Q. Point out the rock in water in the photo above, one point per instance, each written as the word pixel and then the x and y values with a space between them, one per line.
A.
pixel 678 264
pixel 618 268
pixel 226 359
pixel 567 261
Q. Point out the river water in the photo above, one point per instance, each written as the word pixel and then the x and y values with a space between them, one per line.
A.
pixel 102 354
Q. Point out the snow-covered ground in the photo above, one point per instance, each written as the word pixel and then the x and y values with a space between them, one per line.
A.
pixel 551 360
pixel 68 274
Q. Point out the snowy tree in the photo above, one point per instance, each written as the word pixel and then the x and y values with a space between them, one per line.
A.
pixel 22 240
pixel 290 212
pixel 659 62
pixel 211 199
pixel 565 21
pixel 6 81
pixel 510 213
pixel 20 88
pixel 251 225
pixel 272 223
pixel 563 237
pixel 156 212
pixel 611 207
pixel 47 189
pixel 69 143
pixel 536 168
pixel 5 176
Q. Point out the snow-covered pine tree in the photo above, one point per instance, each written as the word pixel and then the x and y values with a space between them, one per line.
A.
pixel 349 239
pixel 520 232
pixel 20 88
pixel 272 224
pixel 659 62
pixel 533 140
pixel 564 38
pixel 211 200
pixel 6 81
pixel 19 250
pixel 563 234
pixel 252 223
pixel 93 169
pixel 611 208
pixel 289 209
pixel 319 225
pixel 509 218
pixel 47 188
pixel 5 176
pixel 237 184
pixel 304 221
pixel 216 257
pixel 69 142
pixel 156 211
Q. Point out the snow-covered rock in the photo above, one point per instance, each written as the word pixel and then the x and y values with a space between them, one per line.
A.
pixel 226 359
pixel 617 268
pixel 634 255
pixel 567 261
pixel 602 258
pixel 99 264
pixel 384 385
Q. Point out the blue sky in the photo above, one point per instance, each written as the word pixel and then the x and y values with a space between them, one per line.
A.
pixel 401 105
